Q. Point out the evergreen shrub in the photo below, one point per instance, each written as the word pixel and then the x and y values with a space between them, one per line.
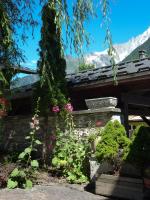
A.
pixel 138 151
pixel 113 142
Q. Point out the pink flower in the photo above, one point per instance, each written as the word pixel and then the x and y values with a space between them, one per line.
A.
pixel 50 147
pixel 52 137
pixel 68 107
pixel 55 109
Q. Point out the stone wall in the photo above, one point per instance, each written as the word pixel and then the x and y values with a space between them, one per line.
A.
pixel 15 129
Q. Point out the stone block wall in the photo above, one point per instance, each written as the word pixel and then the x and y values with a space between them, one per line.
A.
pixel 14 129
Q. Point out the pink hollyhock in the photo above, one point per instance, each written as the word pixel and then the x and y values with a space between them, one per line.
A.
pixel 69 107
pixel 55 109
pixel 50 147
pixel 52 137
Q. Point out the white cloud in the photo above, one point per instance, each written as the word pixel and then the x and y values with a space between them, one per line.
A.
pixel 34 61
pixel 30 64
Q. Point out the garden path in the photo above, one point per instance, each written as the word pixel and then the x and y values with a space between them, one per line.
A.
pixel 52 192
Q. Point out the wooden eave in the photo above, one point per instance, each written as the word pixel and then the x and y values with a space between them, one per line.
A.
pixel 19 69
pixel 124 79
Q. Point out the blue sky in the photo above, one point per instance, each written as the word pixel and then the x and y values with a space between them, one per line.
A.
pixel 129 18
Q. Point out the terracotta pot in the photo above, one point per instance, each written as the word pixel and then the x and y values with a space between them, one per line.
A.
pixel 3 113
pixel 147 183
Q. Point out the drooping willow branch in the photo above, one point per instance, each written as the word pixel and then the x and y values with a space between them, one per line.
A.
pixel 108 38
pixel 71 18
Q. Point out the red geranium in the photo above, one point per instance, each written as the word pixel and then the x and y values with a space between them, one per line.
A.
pixel 4 103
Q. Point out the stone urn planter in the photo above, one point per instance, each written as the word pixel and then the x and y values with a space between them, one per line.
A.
pixel 101 102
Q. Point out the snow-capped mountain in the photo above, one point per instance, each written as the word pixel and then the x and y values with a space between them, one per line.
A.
pixel 122 50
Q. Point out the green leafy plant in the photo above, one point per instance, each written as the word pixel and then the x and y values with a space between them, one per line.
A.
pixel 94 134
pixel 22 175
pixel 113 141
pixel 71 151
pixel 70 155
pixel 93 138
pixel 137 152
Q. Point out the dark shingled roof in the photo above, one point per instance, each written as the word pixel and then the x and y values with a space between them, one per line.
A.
pixel 101 73
pixel 136 67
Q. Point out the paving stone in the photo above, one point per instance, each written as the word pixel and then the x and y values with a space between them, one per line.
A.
pixel 53 192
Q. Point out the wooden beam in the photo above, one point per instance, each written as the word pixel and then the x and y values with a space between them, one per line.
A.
pixel 146 120
pixel 140 112
pixel 136 100
pixel 22 95
pixel 126 113
pixel 19 69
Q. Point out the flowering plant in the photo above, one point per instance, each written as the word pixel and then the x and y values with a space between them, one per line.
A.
pixel 22 175
pixel 4 104
pixel 70 155
pixel 55 109
pixel 34 124
pixel 68 107
pixel 69 151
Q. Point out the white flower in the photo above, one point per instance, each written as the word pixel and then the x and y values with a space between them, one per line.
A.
pixel 31 125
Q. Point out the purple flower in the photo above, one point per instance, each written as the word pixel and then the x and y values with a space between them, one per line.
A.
pixel 55 109
pixel 68 107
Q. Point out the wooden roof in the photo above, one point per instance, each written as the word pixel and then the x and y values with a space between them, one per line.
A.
pixel 103 75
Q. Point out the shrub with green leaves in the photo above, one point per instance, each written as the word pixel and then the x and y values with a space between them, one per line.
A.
pixel 138 151
pixel 113 141
pixel 70 156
